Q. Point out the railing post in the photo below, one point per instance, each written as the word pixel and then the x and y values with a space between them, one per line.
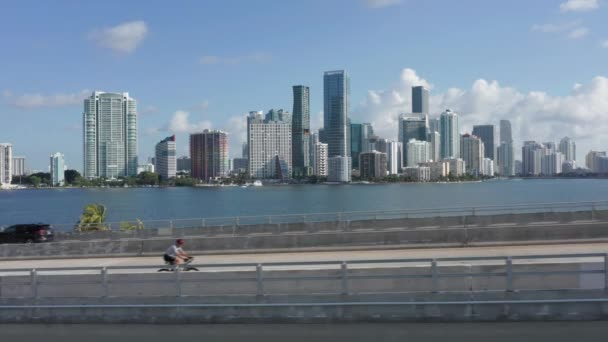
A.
pixel 236 221
pixel 171 224
pixel 509 266
pixel 606 272
pixel 344 274
pixel 434 276
pixel 259 279
pixel 178 281
pixel 202 222
pixel 593 212
pixel 104 281
pixel 34 283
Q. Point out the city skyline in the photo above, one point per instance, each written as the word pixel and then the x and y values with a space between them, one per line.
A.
pixel 180 93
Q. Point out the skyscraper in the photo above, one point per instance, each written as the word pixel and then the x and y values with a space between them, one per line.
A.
pixel 506 164
pixel 184 164
pixel 269 147
pixel 394 156
pixel 472 152
pixel 19 166
pixel 165 158
pixel 339 169
pixel 335 112
pixel 567 146
pixel 57 166
pixel 300 131
pixel 487 134
pixel 209 154
pixel 531 154
pixel 411 126
pixel 420 100
pixel 373 164
pixel 6 163
pixel 449 134
pixel 417 152
pixel 551 163
pixel 320 160
pixel 110 135
pixel 434 139
pixel 434 125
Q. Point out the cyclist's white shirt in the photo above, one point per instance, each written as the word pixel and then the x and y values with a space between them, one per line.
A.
pixel 174 251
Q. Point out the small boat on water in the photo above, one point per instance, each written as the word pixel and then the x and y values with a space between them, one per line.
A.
pixel 257 183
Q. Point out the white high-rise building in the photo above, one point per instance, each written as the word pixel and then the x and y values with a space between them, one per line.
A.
pixel 19 166
pixel 320 160
pixel 166 158
pixel 57 166
pixel 439 169
pixel 449 134
pixel 417 152
pixel 506 157
pixel 472 152
pixel 6 164
pixel 394 153
pixel 339 169
pixel 457 166
pixel 488 167
pixel 532 153
pixel 567 147
pixel 434 140
pixel 551 164
pixel 270 149
pixel 110 135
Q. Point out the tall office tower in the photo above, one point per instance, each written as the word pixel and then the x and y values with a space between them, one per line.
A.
pixel 322 136
pixel 165 158
pixel 245 151
pixel 488 167
pixel 434 125
pixel 19 166
pixel 394 155
pixel 209 155
pixel 567 146
pixel 320 160
pixel 551 164
pixel 110 135
pixel 6 163
pixel 239 165
pixel 487 134
pixel 450 136
pixel 531 154
pixel 434 139
pixel 420 100
pixel 592 158
pixel 335 112
pixel 373 164
pixel 518 167
pixel 356 143
pixel 417 152
pixel 314 139
pixel 184 164
pixel 57 167
pixel 505 131
pixel 269 148
pixel 339 169
pixel 550 147
pixel 300 131
pixel 506 166
pixel 472 152
pixel 411 126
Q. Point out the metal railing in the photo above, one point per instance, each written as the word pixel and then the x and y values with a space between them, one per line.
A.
pixel 350 216
pixel 345 274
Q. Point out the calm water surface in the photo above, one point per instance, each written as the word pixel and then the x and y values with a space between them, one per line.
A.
pixel 63 206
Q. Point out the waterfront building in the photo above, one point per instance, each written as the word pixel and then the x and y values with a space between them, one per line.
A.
pixel 394 155
pixel 356 143
pixel 245 150
pixel 110 135
pixel 567 146
pixel 488 167
pixel 549 147
pixel 518 167
pixel 300 131
pixel 321 167
pixel 417 152
pixel 487 134
pixel 239 165
pixel 592 158
pixel 472 152
pixel 165 158
pixel 149 167
pixel 457 166
pixel 506 166
pixel 314 139
pixel 372 164
pixel 420 100
pixel 411 126
pixel 434 125
pixel 336 88
pixel 449 134
pixel 601 164
pixel 209 155
pixel 6 164
pixel 339 169
pixel 439 169
pixel 269 148
pixel 19 166
pixel 568 166
pixel 57 168
pixel 367 134
pixel 434 139
pixel 551 164
pixel 532 153
pixel 184 164
pixel 418 173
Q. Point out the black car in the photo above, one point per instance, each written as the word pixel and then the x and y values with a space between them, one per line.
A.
pixel 27 233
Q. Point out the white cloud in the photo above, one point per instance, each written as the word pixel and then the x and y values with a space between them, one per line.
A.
pixel 200 106
pixel 604 44
pixel 381 3
pixel 180 123
pixel 123 38
pixel 582 114
pixel 579 5
pixel 578 33
pixel 32 101
pixel 255 57
pixel 556 28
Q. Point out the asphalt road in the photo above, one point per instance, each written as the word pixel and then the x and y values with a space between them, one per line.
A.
pixel 398 332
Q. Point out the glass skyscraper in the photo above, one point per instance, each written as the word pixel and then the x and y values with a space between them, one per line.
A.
pixel 335 112
pixel 110 135
pixel 420 100
pixel 411 126
pixel 57 166
pixel 300 131
pixel 506 164
pixel 487 134
pixel 449 135
pixel 165 158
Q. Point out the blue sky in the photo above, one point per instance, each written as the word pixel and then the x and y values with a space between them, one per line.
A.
pixel 197 64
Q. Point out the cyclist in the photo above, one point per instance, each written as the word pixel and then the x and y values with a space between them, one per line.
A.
pixel 175 255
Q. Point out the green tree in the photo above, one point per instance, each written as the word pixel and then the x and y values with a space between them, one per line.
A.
pixel 34 180
pixel 148 178
pixel 92 218
pixel 70 176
